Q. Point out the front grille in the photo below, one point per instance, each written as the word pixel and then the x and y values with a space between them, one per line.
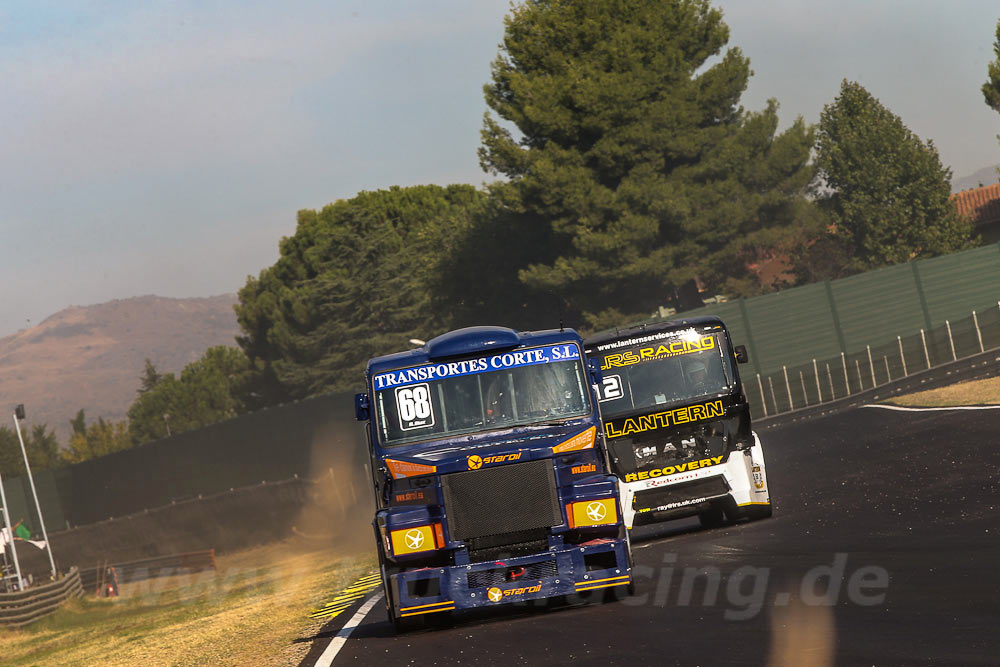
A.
pixel 512 550
pixel 498 576
pixel 651 499
pixel 503 499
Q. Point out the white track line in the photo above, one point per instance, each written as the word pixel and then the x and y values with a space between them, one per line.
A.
pixel 337 643
pixel 957 407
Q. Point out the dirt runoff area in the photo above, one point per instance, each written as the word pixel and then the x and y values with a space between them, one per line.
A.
pixel 253 610
pixel 975 392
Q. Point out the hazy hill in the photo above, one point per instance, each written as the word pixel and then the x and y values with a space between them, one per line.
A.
pixel 91 357
pixel 984 176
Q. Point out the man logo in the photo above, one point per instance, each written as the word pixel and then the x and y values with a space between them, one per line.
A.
pixel 414 538
pixel 495 594
pixel 596 511
pixel 475 462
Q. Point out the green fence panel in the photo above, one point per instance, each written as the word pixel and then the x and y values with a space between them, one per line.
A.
pixel 792 327
pixel 819 321
pixel 877 306
pixel 954 285
pixel 20 507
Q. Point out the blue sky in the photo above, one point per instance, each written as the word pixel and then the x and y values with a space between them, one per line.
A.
pixel 164 147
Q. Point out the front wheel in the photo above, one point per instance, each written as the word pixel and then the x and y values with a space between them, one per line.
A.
pixel 713 517
pixel 755 512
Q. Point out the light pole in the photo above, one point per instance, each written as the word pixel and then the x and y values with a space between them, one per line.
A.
pixel 18 416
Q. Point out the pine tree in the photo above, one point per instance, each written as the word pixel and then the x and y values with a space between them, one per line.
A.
pixel 991 89
pixel 633 153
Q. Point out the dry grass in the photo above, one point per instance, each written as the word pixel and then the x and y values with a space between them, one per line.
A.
pixel 976 392
pixel 248 612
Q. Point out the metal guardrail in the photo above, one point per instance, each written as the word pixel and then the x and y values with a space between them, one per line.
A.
pixel 977 367
pixel 18 609
pixel 834 380
pixel 148 568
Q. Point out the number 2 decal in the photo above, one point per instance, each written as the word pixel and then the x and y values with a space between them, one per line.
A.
pixel 414 405
pixel 612 388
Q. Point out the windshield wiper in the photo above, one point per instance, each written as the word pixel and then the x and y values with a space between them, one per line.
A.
pixel 543 424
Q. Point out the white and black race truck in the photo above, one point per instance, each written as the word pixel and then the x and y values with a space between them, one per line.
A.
pixel 677 423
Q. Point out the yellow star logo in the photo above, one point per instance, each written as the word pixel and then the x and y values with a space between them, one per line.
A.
pixel 475 462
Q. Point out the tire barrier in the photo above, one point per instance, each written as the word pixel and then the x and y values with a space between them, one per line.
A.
pixel 148 568
pixel 19 609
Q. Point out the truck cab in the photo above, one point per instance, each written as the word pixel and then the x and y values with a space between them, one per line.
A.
pixel 490 475
pixel 678 423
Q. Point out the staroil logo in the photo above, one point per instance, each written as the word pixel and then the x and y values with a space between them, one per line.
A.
pixel 596 511
pixel 502 458
pixel 476 462
pixel 579 470
pixel 496 595
pixel 414 539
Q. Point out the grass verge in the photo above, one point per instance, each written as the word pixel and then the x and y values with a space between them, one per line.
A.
pixel 975 392
pixel 248 612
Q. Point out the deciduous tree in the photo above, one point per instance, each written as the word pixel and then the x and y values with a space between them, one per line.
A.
pixel 90 441
pixel 354 281
pixel 40 443
pixel 886 189
pixel 207 391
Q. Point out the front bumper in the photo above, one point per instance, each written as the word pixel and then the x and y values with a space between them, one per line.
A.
pixel 560 571
pixel 740 481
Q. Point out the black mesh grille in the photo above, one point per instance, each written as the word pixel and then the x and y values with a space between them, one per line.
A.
pixel 498 576
pixel 652 499
pixel 512 550
pixel 503 499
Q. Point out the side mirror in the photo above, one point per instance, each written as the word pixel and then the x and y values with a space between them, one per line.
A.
pixel 596 376
pixel 361 407
pixel 741 354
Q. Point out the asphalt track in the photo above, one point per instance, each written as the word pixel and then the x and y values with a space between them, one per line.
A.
pixel 884 549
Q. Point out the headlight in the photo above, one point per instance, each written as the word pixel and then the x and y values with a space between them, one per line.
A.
pixel 591 513
pixel 415 540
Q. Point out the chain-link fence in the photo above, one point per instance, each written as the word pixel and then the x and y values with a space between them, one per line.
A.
pixel 835 377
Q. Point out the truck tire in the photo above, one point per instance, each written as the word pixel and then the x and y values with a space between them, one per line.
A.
pixel 714 517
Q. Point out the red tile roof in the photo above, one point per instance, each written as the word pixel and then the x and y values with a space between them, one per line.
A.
pixel 981 205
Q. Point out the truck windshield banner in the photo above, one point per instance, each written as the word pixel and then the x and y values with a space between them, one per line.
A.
pixel 655 351
pixel 532 357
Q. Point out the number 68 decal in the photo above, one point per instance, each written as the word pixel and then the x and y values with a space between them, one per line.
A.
pixel 414 406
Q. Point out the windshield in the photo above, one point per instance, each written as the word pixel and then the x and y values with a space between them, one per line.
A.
pixel 510 389
pixel 668 368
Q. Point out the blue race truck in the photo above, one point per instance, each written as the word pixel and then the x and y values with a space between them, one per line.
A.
pixel 491 478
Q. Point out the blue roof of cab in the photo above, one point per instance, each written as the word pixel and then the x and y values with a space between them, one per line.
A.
pixel 466 342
